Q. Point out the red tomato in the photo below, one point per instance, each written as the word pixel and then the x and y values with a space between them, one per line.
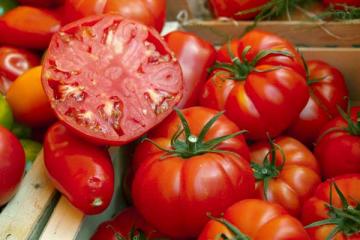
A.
pixel 327 90
pixel 41 3
pixel 13 63
pixel 127 220
pixel 12 164
pixel 289 181
pixel 28 27
pixel 338 147
pixel 264 89
pixel 230 8
pixel 79 170
pixel 148 12
pixel 195 56
pixel 355 3
pixel 111 79
pixel 340 214
pixel 197 176
pixel 257 220
pixel 28 100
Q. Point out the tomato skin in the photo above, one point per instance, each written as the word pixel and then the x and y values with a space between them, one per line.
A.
pixel 28 27
pixel 41 3
pixel 229 8
pixel 338 145
pixel 35 111
pixel 259 220
pixel 182 187
pixel 148 12
pixel 314 209
pixel 297 180
pixel 13 63
pixel 195 56
pixel 79 170
pixel 123 223
pixel 325 96
pixel 266 101
pixel 12 164
pixel 354 3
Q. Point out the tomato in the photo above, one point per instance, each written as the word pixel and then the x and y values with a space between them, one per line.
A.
pixel 28 27
pixel 263 87
pixel 12 164
pixel 13 63
pixel 28 100
pixel 338 146
pixel 111 79
pixel 122 224
pixel 41 3
pixel 195 56
pixel 254 219
pixel 198 168
pixel 148 12
pixel 327 91
pixel 6 5
pixel 6 116
pixel 288 179
pixel 333 211
pixel 79 170
pixel 355 3
pixel 230 8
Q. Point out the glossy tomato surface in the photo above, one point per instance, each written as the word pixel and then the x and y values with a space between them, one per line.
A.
pixel 148 12
pixel 327 91
pixel 28 27
pixel 261 89
pixel 79 170
pixel 28 100
pixel 296 177
pixel 13 63
pixel 188 188
pixel 122 224
pixel 12 164
pixel 317 208
pixel 258 220
pixel 111 79
pixel 232 8
pixel 338 148
pixel 195 56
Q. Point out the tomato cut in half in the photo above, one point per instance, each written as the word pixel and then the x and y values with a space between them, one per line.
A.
pixel 111 79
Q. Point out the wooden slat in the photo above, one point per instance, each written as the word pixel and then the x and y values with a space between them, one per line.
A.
pixel 65 222
pixel 20 217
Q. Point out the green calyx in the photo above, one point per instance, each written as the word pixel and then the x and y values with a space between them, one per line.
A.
pixel 134 234
pixel 268 169
pixel 353 127
pixel 345 219
pixel 340 12
pixel 194 145
pixel 238 235
pixel 240 68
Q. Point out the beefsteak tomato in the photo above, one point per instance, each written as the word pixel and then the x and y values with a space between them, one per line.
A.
pixel 196 167
pixel 260 81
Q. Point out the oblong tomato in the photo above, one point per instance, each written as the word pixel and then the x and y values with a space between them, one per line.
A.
pixel 195 56
pixel 191 183
pixel 122 224
pixel 12 164
pixel 28 100
pixel 111 79
pixel 293 176
pixel 79 170
pixel 257 220
pixel 327 204
pixel 327 91
pixel 259 81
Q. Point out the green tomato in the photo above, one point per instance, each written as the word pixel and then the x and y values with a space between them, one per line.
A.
pixel 21 131
pixel 31 149
pixel 6 5
pixel 6 116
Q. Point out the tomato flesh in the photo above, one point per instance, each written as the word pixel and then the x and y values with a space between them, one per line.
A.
pixel 111 79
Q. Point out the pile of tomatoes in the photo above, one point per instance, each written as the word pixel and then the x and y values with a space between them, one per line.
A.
pixel 249 141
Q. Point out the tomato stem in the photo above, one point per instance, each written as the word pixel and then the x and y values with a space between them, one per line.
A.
pixel 233 229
